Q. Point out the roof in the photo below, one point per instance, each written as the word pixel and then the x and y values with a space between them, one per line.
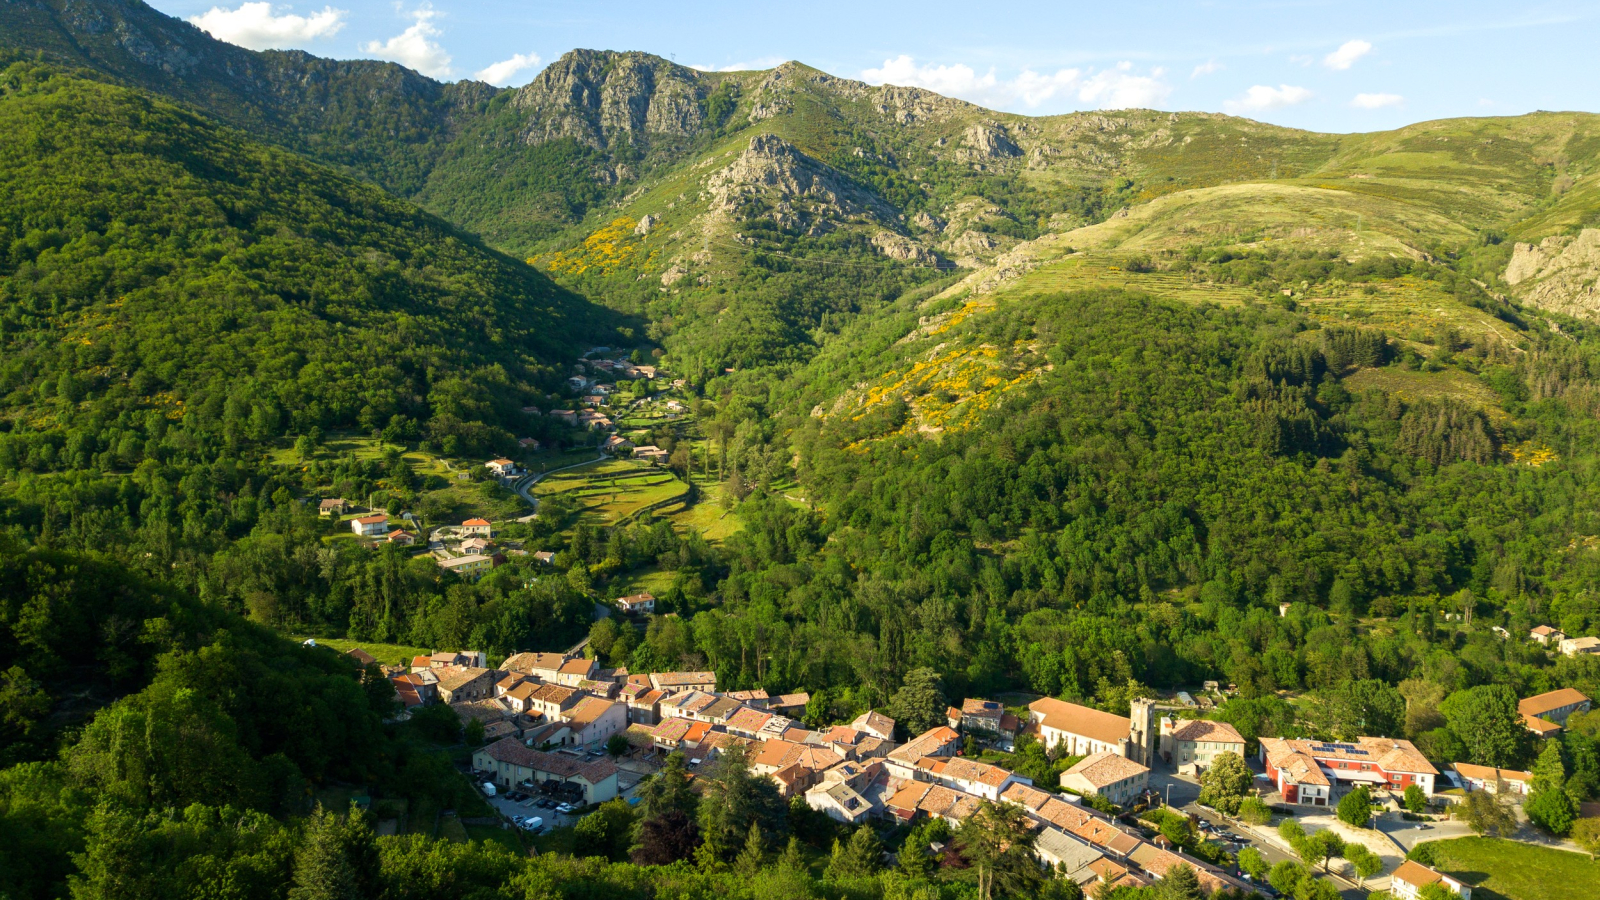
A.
pixel 1025 795
pixel 1072 853
pixel 527 662
pixel 670 730
pixel 588 710
pixel 1541 727
pixel 454 677
pixel 523 691
pixel 1081 720
pixel 330 503
pixel 510 750
pixel 787 700
pixel 1300 767
pixel 1490 773
pixel 1104 769
pixel 361 656
pixel 463 561
pixel 875 722
pixel 1205 730
pixel 682 679
pixel 578 666
pixel 1550 701
pixel 925 744
pixel 967 770
pixel 1389 754
pixel 974 706
pixel 474 522
pixel 373 520
pixel 749 720
pixel 1540 629
pixel 1416 874
pixel 502 461
pixel 554 693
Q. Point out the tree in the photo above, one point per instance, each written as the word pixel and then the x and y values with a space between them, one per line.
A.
pixel 1224 785
pixel 335 860
pixel 1252 863
pixel 605 832
pixel 472 733
pixel 997 842
pixel 1287 876
pixel 754 855
pixel 1179 883
pixel 859 857
pixel 1355 808
pixel 1487 814
pixel 1486 720
pixel 1586 834
pixel 1549 806
pixel 1415 800
pixel 617 745
pixel 1364 861
pixel 735 798
pixel 920 703
pixel 1320 847
pixel 1254 811
pixel 667 828
pixel 1291 832
pixel 914 857
pixel 1176 829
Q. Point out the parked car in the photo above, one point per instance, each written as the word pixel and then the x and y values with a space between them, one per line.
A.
pixel 565 808
pixel 531 823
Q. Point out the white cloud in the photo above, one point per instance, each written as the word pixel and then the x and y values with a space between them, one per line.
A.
pixel 415 46
pixel 1206 68
pixel 750 65
pixel 502 72
pixel 1263 97
pixel 254 25
pixel 1347 54
pixel 1114 88
pixel 1376 101
pixel 1119 88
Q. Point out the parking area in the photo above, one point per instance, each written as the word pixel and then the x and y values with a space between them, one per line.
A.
pixel 517 804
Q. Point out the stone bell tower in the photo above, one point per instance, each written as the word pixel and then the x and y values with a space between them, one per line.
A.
pixel 1144 736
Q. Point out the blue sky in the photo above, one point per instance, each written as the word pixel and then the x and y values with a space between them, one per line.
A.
pixel 1329 66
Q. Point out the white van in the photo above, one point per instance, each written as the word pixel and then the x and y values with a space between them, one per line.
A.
pixel 488 789
pixel 531 823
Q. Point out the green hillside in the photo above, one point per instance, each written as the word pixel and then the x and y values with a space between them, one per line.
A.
pixel 165 272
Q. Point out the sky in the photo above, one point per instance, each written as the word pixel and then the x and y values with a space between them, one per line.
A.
pixel 1316 64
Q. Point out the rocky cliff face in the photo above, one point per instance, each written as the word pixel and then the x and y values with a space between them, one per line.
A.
pixel 773 180
pixel 595 96
pixel 1560 273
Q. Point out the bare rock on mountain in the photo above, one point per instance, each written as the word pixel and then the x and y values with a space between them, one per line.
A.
pixel 928 223
pixel 591 96
pixel 1560 273
pixel 772 179
pixel 647 222
pixel 989 142
pixel 898 246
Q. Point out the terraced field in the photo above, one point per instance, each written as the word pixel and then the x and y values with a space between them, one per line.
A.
pixel 611 490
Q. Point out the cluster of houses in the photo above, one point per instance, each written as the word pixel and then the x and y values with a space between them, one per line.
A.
pixel 1566 646
pixel 468 549
pixel 547 717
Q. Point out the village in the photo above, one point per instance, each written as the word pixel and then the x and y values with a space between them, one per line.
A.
pixel 557 735
pixel 470 549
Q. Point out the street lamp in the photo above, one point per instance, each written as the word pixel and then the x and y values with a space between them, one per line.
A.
pixel 1169 795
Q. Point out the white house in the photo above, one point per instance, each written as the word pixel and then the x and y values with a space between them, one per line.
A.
pixel 1409 880
pixel 370 526
pixel 503 468
pixel 1107 775
pixel 1079 730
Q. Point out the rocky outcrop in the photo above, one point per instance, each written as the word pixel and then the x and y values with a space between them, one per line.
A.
pixel 772 179
pixel 1560 273
pixel 646 222
pixel 989 142
pixel 900 247
pixel 593 96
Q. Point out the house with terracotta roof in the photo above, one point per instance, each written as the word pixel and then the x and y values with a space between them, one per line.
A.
pixel 967 776
pixel 637 604
pixel 333 506
pixel 501 468
pixel 1308 772
pixel 1193 744
pixel 593 720
pixel 976 716
pixel 874 723
pixel 519 697
pixel 401 538
pixel 790 704
pixel 477 526
pixel 677 681
pixel 361 656
pixel 1105 774
pixel 575 670
pixel 553 700
pixel 747 722
pixel 375 525
pixel 1491 779
pixel 511 765
pixel 1546 635
pixel 1546 714
pixel 459 683
pixel 472 566
pixel 1408 881
pixel 1079 730
pixel 939 741
pixel 543 666
pixel 643 702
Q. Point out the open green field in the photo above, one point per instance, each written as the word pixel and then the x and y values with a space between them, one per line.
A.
pixel 388 654
pixel 1507 870
pixel 613 489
